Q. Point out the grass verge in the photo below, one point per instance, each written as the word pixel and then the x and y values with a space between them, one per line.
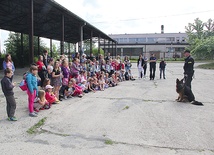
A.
pixel 207 66
pixel 125 108
pixel 34 129
pixel 109 142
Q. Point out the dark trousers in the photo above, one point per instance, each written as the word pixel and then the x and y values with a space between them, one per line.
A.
pixel 152 72
pixel 144 68
pixel 42 75
pixel 188 80
pixel 162 71
pixel 11 105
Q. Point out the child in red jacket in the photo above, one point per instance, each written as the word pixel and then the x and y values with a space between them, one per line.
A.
pixel 77 89
pixel 49 95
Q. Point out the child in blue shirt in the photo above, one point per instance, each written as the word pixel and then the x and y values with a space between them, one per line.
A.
pixel 32 91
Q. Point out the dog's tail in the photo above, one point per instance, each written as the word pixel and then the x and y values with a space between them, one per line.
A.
pixel 197 103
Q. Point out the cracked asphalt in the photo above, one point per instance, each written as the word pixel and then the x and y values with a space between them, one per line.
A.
pixel 137 117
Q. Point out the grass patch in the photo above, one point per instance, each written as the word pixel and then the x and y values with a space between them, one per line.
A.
pixel 127 107
pixel 207 66
pixel 34 129
pixel 109 142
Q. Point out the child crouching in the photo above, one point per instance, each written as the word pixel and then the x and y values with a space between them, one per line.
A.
pixel 77 89
pixel 40 102
pixel 49 95
pixel 69 91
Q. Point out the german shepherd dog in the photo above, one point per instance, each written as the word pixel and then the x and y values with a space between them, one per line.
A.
pixel 185 93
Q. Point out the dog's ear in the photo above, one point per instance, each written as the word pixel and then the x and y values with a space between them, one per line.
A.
pixel 177 80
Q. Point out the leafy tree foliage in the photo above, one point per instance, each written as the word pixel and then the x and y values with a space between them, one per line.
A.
pixel 201 38
pixel 13 46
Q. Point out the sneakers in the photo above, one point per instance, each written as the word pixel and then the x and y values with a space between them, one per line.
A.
pixel 12 118
pixel 33 114
pixel 36 110
pixel 65 97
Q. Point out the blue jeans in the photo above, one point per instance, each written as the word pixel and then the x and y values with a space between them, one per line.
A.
pixel 162 71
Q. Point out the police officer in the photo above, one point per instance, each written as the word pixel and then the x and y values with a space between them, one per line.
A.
pixel 188 68
pixel 152 64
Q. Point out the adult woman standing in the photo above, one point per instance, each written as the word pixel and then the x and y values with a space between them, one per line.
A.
pixel 42 71
pixel 127 63
pixel 75 68
pixel 65 72
pixel 8 63
pixel 140 65
pixel 56 78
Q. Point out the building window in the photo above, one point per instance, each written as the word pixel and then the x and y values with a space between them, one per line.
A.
pixel 141 40
pixel 170 49
pixel 170 39
pixel 151 40
pixel 122 40
pixel 132 40
pixel 177 39
pixel 179 49
pixel 183 39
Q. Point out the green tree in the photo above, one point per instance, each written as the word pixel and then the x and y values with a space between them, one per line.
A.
pixel 95 51
pixel 201 38
pixel 13 46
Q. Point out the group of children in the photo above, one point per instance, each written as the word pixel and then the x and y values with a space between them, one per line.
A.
pixel 62 79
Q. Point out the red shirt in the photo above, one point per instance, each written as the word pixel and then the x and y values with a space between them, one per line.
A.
pixel 113 64
pixel 40 64
pixel 51 98
pixel 120 66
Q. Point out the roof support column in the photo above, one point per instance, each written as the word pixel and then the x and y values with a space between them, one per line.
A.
pixel 91 42
pixel 51 48
pixel 99 44
pixel 22 51
pixel 115 48
pixel 69 52
pixel 38 45
pixel 112 48
pixel 31 33
pixel 104 47
pixel 62 36
pixel 109 51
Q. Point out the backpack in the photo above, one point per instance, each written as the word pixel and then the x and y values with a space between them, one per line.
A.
pixel 23 85
pixel 127 76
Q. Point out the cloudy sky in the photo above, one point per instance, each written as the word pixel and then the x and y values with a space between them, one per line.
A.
pixel 138 16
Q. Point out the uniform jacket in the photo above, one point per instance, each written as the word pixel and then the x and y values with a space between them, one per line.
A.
pixel 189 65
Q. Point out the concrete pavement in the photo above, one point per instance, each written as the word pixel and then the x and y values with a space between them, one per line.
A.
pixel 136 117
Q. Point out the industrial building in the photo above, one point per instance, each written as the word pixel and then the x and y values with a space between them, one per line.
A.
pixel 163 45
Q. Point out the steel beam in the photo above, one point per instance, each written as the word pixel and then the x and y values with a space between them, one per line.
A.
pixel 62 36
pixel 99 44
pixel 51 47
pixel 38 45
pixel 31 32
pixel 91 42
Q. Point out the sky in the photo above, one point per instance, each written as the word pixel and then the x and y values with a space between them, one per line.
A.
pixel 138 16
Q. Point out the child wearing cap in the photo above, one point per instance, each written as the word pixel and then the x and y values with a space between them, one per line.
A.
pixel 49 95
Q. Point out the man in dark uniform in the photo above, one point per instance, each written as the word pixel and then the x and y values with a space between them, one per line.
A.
pixel 152 64
pixel 188 68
